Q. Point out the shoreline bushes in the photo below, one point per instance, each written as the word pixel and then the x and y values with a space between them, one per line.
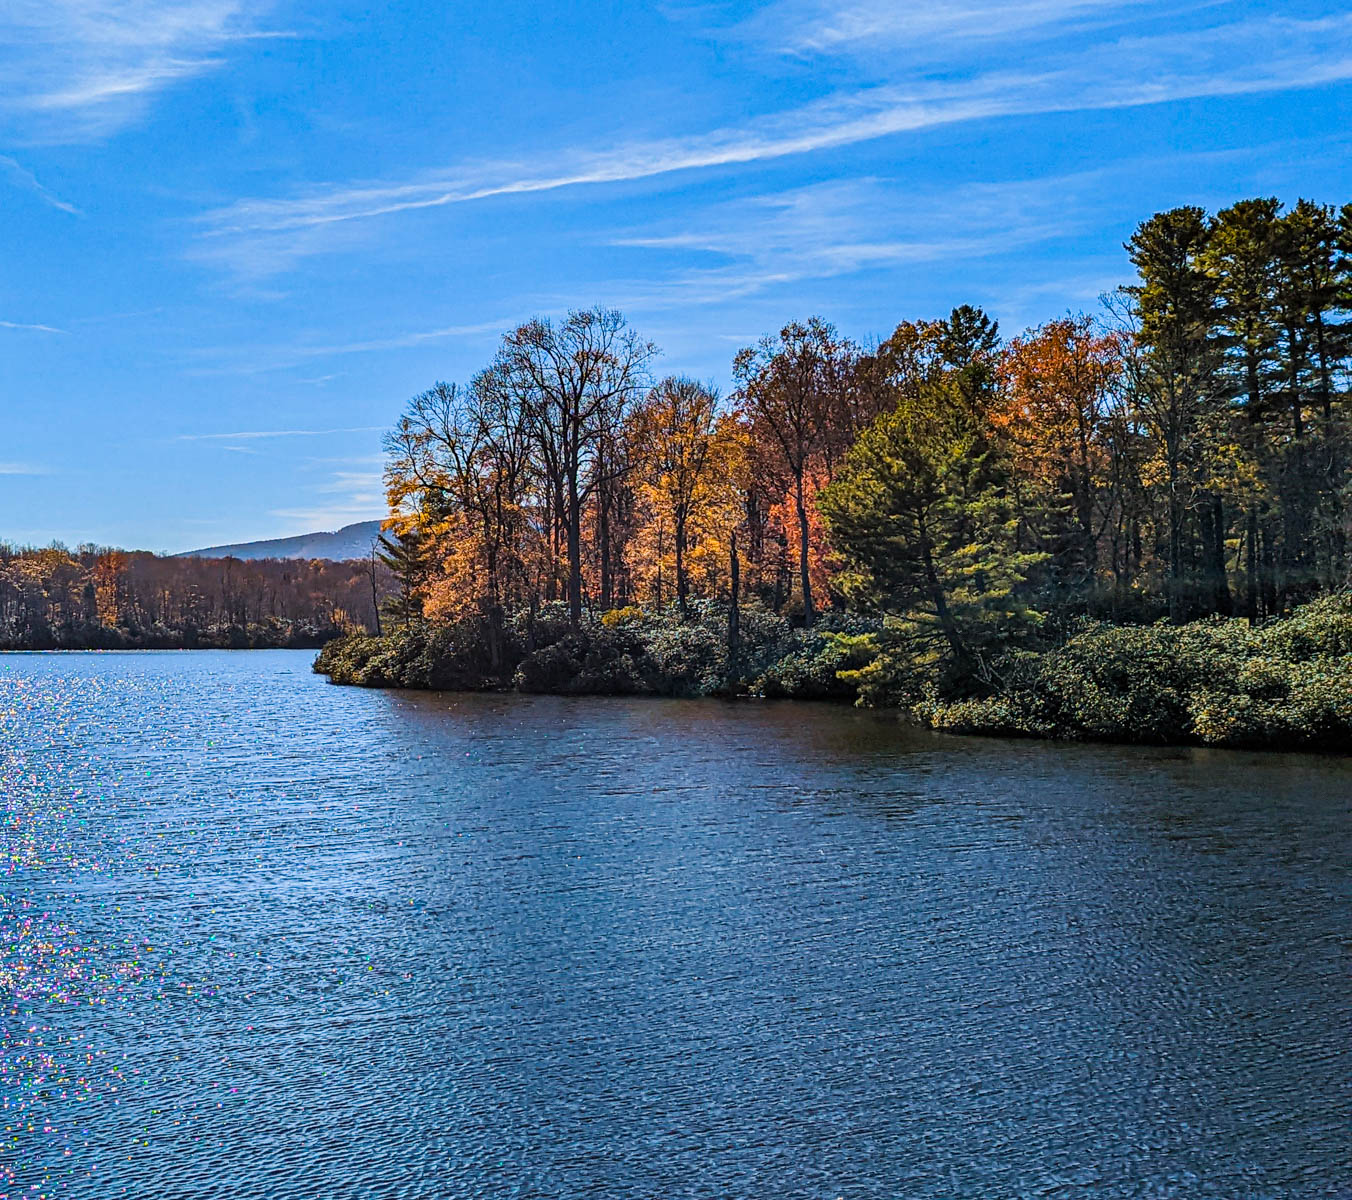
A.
pixel 1217 682
pixel 628 651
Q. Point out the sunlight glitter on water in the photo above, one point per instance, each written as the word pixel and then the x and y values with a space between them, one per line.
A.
pixel 262 937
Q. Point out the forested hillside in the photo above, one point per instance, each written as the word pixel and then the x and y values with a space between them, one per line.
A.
pixel 342 545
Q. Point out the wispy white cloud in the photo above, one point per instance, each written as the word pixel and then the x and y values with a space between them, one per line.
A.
pixel 23 325
pixel 260 360
pixel 350 460
pixel 26 179
pixel 108 318
pixel 356 485
pixel 360 506
pixel 402 341
pixel 842 228
pixel 1031 303
pixel 78 68
pixel 260 236
pixel 332 516
pixel 873 26
pixel 249 435
pixel 22 468
pixel 780 242
pixel 351 489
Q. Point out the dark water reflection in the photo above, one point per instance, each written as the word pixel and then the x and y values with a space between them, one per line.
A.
pixel 261 937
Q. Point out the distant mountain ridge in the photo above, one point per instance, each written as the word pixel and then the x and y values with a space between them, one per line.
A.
pixel 351 541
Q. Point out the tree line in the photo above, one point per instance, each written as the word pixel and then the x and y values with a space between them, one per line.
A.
pixel 91 597
pixel 1182 453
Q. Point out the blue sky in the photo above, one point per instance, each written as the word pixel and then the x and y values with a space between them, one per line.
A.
pixel 237 236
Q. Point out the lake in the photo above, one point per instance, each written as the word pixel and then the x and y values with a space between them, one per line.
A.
pixel 265 937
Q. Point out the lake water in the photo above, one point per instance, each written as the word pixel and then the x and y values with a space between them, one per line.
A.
pixel 264 937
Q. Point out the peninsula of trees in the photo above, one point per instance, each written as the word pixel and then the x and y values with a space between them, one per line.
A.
pixel 1133 524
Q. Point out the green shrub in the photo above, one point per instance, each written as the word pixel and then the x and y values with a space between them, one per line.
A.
pixel 629 651
pixel 1218 682
pixel 440 658
pixel 686 660
pixel 808 671
pixel 590 661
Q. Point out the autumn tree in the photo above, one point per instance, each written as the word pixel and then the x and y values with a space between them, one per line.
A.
pixel 963 347
pixel 675 428
pixel 786 386
pixel 574 383
pixel 1059 384
pixel 459 480
pixel 97 597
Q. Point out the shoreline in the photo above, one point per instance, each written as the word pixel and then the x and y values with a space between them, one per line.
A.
pixel 1285 685
pixel 898 715
pixel 152 649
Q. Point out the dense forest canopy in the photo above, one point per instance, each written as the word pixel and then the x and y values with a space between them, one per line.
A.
pixel 1183 453
pixel 92 597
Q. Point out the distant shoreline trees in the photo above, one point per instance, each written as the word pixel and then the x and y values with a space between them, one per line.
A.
pixel 98 598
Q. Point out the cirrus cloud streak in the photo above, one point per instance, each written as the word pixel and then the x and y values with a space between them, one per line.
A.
pixel 259 237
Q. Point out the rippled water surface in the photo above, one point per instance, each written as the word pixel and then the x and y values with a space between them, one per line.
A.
pixel 264 937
